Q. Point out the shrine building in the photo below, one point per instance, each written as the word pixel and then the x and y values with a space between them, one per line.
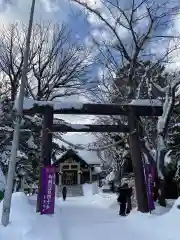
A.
pixel 76 168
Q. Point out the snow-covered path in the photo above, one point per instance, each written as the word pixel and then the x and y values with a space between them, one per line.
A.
pixel 86 222
pixel 88 218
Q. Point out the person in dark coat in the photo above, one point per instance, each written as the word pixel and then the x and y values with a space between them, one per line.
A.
pixel 122 199
pixel 64 193
pixel 129 203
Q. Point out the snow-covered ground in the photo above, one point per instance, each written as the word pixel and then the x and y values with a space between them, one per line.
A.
pixel 89 217
pixel 90 189
pixel 25 224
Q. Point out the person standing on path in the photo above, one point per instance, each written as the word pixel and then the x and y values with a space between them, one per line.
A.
pixel 122 199
pixel 129 203
pixel 64 193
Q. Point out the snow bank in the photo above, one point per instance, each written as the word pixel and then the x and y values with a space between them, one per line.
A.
pixel 103 200
pixel 21 218
pixel 160 224
pixel 90 189
pixel 87 190
pixel 95 188
pixel 26 224
pixel 169 222
pixel 100 200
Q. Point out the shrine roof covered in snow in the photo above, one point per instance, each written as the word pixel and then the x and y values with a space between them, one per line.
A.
pixel 84 157
pixel 141 107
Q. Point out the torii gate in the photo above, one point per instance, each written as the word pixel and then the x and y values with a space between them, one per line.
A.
pixel 132 111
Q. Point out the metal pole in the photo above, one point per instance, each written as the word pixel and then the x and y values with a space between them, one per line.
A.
pixel 15 143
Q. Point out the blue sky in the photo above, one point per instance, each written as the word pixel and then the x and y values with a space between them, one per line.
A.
pixel 46 10
pixel 81 24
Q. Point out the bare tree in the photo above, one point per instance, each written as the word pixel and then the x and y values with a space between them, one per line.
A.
pixel 60 66
pixel 11 58
pixel 135 29
pixel 12 43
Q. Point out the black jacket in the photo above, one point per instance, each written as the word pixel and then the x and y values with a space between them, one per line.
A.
pixel 129 192
pixel 64 190
pixel 123 195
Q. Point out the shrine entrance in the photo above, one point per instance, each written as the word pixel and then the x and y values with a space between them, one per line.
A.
pixel 69 177
pixel 132 110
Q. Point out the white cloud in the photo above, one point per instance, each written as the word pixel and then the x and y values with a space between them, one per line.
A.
pixel 174 45
pixel 95 4
pixel 94 20
pixel 51 5
pixel 46 10
pixel 102 36
pixel 77 119
pixel 113 16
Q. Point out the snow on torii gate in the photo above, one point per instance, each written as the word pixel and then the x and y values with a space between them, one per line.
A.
pixel 132 110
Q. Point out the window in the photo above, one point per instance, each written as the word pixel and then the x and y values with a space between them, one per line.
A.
pixel 73 166
pixel 66 167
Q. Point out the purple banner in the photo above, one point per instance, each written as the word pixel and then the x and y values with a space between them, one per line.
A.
pixel 48 190
pixel 149 184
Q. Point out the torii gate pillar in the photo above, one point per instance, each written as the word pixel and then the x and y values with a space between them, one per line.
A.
pixel 141 191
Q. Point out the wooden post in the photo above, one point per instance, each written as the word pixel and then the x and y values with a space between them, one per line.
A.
pixel 79 174
pixel 141 192
pixel 90 174
pixel 60 182
pixel 46 147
